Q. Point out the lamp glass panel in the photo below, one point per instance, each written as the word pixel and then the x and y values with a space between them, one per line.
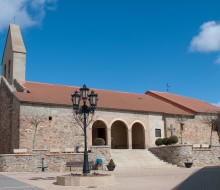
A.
pixel 84 92
pixel 93 99
pixel 77 100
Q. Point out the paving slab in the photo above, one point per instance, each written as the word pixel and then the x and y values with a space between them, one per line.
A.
pixel 206 178
pixel 13 184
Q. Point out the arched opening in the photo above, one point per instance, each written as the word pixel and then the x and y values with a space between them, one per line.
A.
pixel 119 135
pixel 99 130
pixel 138 140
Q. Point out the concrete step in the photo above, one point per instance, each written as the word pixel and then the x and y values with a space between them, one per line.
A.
pixel 138 158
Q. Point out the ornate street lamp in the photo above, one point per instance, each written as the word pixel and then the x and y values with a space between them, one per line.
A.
pixel 82 116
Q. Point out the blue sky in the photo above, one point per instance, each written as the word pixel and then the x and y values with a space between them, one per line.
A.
pixel 123 45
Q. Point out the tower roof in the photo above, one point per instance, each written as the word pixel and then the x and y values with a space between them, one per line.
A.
pixel 16 38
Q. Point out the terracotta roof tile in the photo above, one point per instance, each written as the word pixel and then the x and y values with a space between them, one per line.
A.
pixel 61 95
pixel 195 105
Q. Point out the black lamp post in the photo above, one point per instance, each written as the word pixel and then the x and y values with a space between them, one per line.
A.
pixel 82 116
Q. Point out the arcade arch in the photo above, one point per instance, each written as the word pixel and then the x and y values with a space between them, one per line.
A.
pixel 119 137
pixel 138 137
pixel 99 130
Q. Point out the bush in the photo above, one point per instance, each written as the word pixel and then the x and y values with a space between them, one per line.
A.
pixel 173 139
pixel 165 141
pixel 99 142
pixel 159 142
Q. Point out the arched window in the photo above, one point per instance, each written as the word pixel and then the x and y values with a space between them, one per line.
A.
pixel 9 68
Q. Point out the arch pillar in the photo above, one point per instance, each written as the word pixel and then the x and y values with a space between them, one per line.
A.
pixel 147 139
pixel 109 142
pixel 129 138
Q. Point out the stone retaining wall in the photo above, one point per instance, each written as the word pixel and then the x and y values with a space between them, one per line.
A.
pixel 54 162
pixel 178 154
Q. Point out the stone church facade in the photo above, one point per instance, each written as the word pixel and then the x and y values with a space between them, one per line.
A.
pixel 40 116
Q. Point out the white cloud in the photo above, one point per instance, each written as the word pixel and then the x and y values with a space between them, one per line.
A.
pixel 208 40
pixel 27 13
pixel 216 104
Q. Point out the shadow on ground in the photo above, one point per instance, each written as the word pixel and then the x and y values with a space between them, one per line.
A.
pixel 42 178
pixel 207 178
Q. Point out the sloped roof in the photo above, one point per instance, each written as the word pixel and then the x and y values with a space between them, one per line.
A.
pixel 192 104
pixel 61 95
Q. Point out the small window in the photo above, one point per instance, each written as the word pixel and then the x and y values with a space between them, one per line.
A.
pixel 157 132
pixel 50 118
pixel 9 68
pixel 5 71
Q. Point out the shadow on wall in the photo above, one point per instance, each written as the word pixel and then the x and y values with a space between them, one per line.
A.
pixel 205 178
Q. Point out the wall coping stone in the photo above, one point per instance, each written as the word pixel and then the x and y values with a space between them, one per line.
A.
pixel 102 146
pixel 202 149
pixel 61 154
pixel 40 149
pixel 179 145
pixel 4 155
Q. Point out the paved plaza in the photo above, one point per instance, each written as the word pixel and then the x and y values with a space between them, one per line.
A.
pixel 207 178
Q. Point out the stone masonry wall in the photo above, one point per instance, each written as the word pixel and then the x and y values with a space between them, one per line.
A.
pixel 178 154
pixel 54 162
pixel 55 128
pixel 6 99
pixel 175 154
pixel 194 130
pixel 58 129
pixel 15 123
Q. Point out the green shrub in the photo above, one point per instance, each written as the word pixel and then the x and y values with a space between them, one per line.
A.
pixel 99 142
pixel 165 141
pixel 173 139
pixel 159 142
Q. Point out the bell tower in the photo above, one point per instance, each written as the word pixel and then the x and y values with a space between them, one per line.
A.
pixel 14 56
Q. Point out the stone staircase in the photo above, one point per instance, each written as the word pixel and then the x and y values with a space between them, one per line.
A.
pixel 138 158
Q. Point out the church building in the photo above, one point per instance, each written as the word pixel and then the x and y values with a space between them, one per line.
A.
pixel 36 115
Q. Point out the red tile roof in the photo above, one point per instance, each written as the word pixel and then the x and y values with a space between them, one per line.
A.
pixel 61 95
pixel 186 103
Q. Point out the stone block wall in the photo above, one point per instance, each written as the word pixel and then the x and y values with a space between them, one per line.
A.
pixel 54 162
pixel 194 130
pixel 15 124
pixel 45 127
pixel 101 152
pixel 175 154
pixel 178 154
pixel 6 99
pixel 206 157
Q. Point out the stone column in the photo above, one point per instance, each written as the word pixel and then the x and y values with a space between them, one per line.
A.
pixel 109 136
pixel 129 138
pixel 146 138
